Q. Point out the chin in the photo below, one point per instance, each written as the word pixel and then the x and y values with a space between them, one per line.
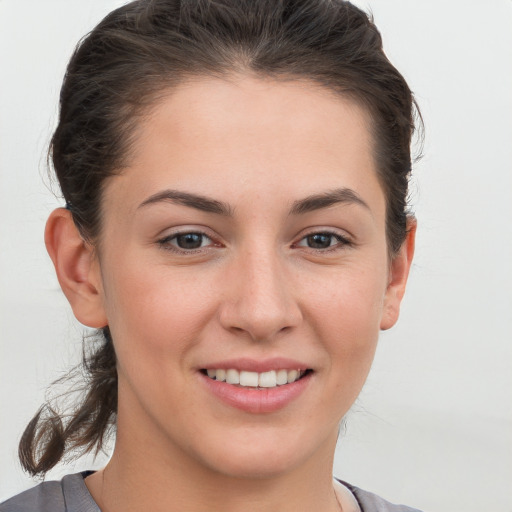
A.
pixel 266 456
pixel 255 468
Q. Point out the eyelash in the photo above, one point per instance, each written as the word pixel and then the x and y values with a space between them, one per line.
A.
pixel 342 241
pixel 165 243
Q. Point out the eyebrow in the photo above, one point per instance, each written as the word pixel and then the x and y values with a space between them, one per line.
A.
pixel 330 198
pixel 299 207
pixel 196 201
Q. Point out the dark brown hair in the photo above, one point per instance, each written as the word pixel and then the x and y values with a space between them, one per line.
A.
pixel 142 49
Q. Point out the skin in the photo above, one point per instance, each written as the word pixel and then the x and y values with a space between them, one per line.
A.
pixel 255 288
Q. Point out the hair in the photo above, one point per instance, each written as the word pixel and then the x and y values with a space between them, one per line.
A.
pixel 130 60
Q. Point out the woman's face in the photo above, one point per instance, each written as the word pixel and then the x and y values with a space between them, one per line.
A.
pixel 245 240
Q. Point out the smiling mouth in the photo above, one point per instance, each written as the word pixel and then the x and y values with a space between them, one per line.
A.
pixel 255 380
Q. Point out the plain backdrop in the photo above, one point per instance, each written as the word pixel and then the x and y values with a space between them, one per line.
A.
pixel 433 425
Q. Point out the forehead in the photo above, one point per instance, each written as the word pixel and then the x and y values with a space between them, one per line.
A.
pixel 227 136
pixel 290 109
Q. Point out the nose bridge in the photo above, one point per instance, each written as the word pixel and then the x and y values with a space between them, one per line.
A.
pixel 262 301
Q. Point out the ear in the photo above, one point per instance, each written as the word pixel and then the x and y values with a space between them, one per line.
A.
pixel 398 274
pixel 77 268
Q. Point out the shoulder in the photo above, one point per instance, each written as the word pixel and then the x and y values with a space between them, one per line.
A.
pixel 67 495
pixel 44 497
pixel 370 502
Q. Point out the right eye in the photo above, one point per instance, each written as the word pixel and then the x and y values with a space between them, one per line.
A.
pixel 186 241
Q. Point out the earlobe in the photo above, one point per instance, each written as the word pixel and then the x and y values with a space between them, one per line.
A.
pixel 76 267
pixel 398 274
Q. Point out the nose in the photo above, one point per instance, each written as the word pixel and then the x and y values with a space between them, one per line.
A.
pixel 260 299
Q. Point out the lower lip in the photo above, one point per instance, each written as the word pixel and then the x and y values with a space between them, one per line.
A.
pixel 257 401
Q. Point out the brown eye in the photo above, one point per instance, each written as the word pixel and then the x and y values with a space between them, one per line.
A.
pixel 323 241
pixel 319 240
pixel 189 240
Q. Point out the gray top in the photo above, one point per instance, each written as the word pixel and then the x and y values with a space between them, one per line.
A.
pixel 71 495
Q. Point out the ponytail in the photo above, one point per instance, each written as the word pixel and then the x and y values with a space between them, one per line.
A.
pixel 52 433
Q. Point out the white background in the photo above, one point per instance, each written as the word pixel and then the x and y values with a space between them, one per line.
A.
pixel 433 426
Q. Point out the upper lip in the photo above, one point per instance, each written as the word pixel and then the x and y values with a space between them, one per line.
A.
pixel 254 365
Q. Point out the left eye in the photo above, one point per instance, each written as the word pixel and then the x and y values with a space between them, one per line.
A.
pixel 187 241
pixel 322 241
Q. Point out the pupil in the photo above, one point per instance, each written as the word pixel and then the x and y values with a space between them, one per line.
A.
pixel 319 241
pixel 190 240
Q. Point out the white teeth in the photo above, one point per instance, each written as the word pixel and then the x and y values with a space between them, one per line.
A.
pixel 282 377
pixel 293 375
pixel 249 379
pixel 232 376
pixel 269 379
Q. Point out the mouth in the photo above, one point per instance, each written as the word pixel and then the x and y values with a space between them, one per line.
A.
pixel 256 380
pixel 257 386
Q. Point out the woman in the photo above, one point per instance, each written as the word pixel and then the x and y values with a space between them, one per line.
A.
pixel 235 176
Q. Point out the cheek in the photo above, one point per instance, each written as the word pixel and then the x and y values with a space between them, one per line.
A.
pixel 154 311
pixel 346 313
